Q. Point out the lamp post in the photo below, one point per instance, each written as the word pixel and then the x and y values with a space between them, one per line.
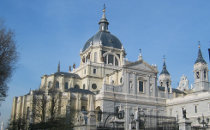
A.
pixel 203 122
pixel 140 119
pixel 132 123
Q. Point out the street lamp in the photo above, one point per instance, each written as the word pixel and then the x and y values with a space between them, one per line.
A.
pixel 203 121
pixel 140 118
pixel 132 124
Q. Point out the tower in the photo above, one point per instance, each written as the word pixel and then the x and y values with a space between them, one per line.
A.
pixel 165 78
pixel 201 79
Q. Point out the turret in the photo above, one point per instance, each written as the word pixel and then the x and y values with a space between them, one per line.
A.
pixel 201 80
pixel 165 78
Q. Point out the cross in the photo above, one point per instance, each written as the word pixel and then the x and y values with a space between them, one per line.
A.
pixel 164 57
pixel 199 44
pixel 104 10
pixel 140 51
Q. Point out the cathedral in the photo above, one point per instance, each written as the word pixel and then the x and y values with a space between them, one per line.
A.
pixel 107 90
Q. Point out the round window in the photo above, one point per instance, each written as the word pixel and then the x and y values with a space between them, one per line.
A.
pixel 94 86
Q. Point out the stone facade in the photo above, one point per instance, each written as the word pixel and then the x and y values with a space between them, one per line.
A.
pixel 105 79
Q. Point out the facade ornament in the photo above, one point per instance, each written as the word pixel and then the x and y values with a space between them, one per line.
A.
pixel 74 66
pixel 58 69
pixel 69 68
pixel 140 55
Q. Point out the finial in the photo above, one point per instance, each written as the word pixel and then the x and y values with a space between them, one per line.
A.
pixel 199 44
pixel 140 50
pixel 58 67
pixel 104 9
pixel 164 58
pixel 140 55
pixel 69 68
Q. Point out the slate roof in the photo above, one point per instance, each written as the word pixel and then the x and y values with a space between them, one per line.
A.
pixel 164 70
pixel 105 39
pixel 67 74
pixel 77 90
pixel 173 89
pixel 200 57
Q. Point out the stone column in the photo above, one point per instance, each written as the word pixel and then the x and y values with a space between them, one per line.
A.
pixel 127 116
pixel 184 124
pixel 134 83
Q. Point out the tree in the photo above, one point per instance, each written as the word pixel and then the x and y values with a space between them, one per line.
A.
pixel 46 111
pixel 8 57
pixel 18 124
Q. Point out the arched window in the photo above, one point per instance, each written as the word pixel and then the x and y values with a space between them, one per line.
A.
pixel 83 86
pixel 121 80
pixel 111 59
pixel 116 62
pixel 66 85
pixel 197 75
pixel 204 73
pixel 94 86
pixel 57 84
pixel 167 84
pixel 76 86
pixel 49 84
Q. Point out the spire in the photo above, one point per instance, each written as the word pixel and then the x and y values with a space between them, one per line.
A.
pixel 200 57
pixel 103 23
pixel 164 70
pixel 140 54
pixel 58 67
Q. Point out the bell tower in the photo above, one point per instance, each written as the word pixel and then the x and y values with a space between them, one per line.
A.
pixel 201 78
pixel 165 78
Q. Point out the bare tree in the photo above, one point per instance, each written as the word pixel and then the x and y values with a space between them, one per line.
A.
pixel 47 111
pixel 46 105
pixel 8 56
pixel 39 106
pixel 18 124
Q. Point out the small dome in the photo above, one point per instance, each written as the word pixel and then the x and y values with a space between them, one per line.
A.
pixel 104 38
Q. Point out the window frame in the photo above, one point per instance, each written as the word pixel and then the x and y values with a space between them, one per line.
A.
pixel 142 86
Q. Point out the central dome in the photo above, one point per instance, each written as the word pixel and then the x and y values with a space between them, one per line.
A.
pixel 103 37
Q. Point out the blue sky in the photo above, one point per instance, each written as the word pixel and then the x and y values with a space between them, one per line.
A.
pixel 51 30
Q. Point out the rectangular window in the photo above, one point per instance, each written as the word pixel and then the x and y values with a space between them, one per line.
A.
pixel 196 108
pixel 141 86
pixel 66 85
pixel 94 71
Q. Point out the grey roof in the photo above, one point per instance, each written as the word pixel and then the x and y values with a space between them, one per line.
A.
pixel 164 70
pixel 200 57
pixel 66 74
pixel 77 90
pixel 103 37
pixel 173 89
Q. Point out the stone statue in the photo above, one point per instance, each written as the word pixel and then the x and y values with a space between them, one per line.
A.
pixel 184 113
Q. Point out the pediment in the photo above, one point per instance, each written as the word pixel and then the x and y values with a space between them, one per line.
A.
pixel 141 65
